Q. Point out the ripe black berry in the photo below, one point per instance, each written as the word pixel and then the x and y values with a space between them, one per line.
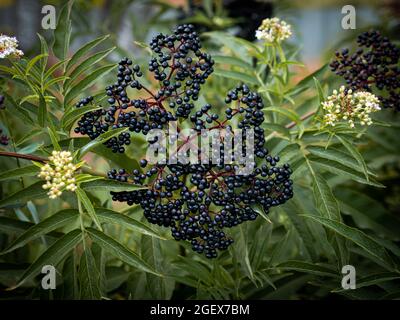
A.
pixel 373 67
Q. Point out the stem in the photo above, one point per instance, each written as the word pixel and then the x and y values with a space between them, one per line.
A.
pixel 22 156
pixel 81 222
pixel 303 117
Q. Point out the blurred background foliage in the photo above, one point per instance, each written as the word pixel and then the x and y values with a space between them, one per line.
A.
pixel 267 246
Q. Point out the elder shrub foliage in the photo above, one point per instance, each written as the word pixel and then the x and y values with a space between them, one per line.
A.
pixel 78 193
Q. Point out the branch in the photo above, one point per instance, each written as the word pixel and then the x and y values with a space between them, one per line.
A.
pixel 22 156
pixel 302 118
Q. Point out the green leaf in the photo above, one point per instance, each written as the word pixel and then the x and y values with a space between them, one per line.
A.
pixel 14 226
pixel 339 168
pixel 110 185
pixel 110 216
pixel 304 84
pixel 119 251
pixel 325 201
pixel 62 34
pixel 54 139
pixel 82 196
pixel 77 89
pixel 52 223
pixel 293 209
pixel 42 111
pixel 82 51
pixel 236 75
pixel 53 68
pixel 53 255
pixel 357 237
pixel 286 112
pixel 89 277
pixel 355 153
pixel 44 50
pixel 234 61
pixel 19 172
pixel 84 65
pixel 100 140
pixel 70 117
pixel 336 155
pixel 34 191
pixel 152 254
pixel 375 279
pixel 33 61
pixel 321 97
pixel 306 267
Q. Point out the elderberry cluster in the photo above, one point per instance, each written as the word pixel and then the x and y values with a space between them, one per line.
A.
pixel 180 67
pixel 197 201
pixel 372 66
pixel 4 140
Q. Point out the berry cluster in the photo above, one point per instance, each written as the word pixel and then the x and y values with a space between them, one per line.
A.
pixel 4 140
pixel 179 66
pixel 373 67
pixel 197 201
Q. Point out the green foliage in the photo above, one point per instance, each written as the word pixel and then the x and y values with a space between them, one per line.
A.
pixel 341 213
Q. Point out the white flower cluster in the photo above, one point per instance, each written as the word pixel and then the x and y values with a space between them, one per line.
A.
pixel 8 47
pixel 59 174
pixel 350 107
pixel 273 30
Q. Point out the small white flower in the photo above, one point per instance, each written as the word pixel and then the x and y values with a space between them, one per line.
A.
pixel 59 174
pixel 350 107
pixel 273 30
pixel 9 47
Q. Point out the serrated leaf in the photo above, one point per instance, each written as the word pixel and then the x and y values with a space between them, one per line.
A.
pixel 110 185
pixel 236 75
pixel 82 51
pixel 374 279
pixel 53 255
pixel 355 153
pixel 110 216
pixel 77 89
pixel 62 34
pixel 89 277
pixel 42 110
pixel 339 168
pixel 357 237
pixel 19 172
pixel 54 139
pixel 33 61
pixel 306 267
pixel 100 140
pixel 82 196
pixel 52 223
pixel 70 117
pixel 84 65
pixel 234 61
pixel 120 251
pixel 34 191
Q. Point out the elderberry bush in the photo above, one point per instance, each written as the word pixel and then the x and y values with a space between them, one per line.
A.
pixel 196 201
pixel 372 67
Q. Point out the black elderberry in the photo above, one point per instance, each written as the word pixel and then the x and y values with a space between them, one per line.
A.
pixel 373 67
pixel 196 201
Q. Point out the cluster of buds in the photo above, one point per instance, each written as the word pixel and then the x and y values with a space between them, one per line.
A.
pixel 351 107
pixel 9 47
pixel 59 174
pixel 273 30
